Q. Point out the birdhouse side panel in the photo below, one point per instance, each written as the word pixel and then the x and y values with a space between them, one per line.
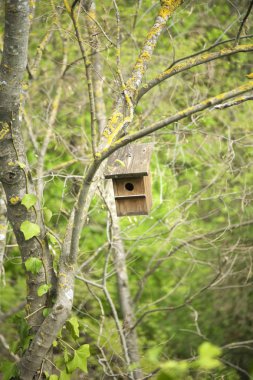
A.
pixel 148 190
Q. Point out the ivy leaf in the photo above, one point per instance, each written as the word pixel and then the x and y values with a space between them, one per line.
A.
pixel 29 200
pixel 9 370
pixel 80 359
pixel 33 265
pixel 29 229
pixel 53 377
pixel 52 239
pixel 47 214
pixel 43 289
pixel 65 355
pixel 46 312
pixel 72 325
pixel 64 376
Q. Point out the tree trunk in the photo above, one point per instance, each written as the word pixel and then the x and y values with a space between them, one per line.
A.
pixel 125 300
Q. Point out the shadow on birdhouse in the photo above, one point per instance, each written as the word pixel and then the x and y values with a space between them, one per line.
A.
pixel 128 168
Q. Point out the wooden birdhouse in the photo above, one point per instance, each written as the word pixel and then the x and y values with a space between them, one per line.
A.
pixel 128 168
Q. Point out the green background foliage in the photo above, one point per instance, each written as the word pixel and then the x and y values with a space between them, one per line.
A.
pixel 201 183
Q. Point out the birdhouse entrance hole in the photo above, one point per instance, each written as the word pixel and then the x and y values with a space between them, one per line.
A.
pixel 129 186
pixel 128 168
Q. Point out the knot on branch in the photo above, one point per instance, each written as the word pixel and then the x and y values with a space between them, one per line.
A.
pixel 11 176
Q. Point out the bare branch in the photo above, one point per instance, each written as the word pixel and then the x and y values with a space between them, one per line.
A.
pixel 118 121
pixel 5 348
pixel 190 63
pixel 160 261
pixel 172 308
pixel 243 22
pixel 88 74
pixel 234 102
pixel 178 116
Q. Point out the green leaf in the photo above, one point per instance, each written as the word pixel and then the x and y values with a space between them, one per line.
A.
pixel 207 349
pixel 64 376
pixel 52 239
pixel 43 289
pixel 55 343
pixel 9 370
pixel 29 229
pixel 72 325
pixel 33 265
pixel 208 356
pixel 47 214
pixel 173 370
pixel 53 377
pixel 65 355
pixel 80 359
pixel 46 312
pixel 29 200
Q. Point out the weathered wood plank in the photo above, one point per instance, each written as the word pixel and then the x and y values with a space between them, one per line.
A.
pixel 130 161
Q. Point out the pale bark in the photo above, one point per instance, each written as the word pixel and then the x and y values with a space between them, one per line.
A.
pixel 124 294
pixel 97 64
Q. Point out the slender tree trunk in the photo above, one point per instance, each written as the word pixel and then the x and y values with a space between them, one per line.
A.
pixel 118 246
pixel 125 299
pixel 15 174
pixel 14 170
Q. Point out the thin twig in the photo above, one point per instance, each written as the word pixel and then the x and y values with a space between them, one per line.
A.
pixel 88 75
pixel 243 22
pixel 234 102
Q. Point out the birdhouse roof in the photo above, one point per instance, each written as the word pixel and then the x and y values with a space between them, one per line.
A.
pixel 130 161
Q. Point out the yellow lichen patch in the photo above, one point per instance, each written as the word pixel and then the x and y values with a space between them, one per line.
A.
pixel 113 123
pixel 3 227
pixel 92 14
pixel 14 200
pixel 155 30
pixel 67 6
pixel 98 155
pixel 168 7
pixel 4 129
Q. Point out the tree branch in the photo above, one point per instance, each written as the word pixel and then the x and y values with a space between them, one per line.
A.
pixel 190 63
pixel 123 114
pixel 243 22
pixel 88 75
pixel 235 102
pixel 205 104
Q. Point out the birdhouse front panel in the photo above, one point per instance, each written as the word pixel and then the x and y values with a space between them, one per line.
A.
pixel 129 186
pixel 129 170
pixel 131 196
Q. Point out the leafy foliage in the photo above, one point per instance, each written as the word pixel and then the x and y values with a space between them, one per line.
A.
pixel 33 265
pixel 29 200
pixel 29 229
pixel 80 359
pixel 189 290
